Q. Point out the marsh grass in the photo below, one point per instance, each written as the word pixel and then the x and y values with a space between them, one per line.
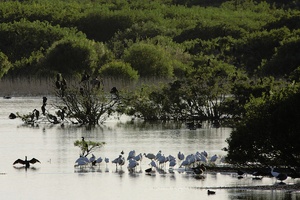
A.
pixel 45 86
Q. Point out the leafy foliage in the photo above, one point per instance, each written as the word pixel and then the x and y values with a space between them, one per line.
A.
pixel 119 69
pixel 87 147
pixel 34 31
pixel 5 65
pixel 149 60
pixel 268 135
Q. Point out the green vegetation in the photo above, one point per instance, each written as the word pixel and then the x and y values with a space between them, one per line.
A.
pixel 269 133
pixel 230 62
pixel 87 147
pixel 85 102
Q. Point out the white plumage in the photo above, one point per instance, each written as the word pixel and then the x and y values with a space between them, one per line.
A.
pixel 131 154
pixel 132 164
pixel 214 158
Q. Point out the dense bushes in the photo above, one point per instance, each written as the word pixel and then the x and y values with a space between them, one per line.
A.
pixel 4 64
pixel 268 135
pixel 30 28
pixel 149 60
pixel 119 69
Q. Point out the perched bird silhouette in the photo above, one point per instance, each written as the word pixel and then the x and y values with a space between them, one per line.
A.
pixel 115 93
pixel 26 162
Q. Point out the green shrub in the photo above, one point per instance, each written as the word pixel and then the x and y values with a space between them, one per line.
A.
pixel 71 56
pixel 5 65
pixel 120 70
pixel 149 60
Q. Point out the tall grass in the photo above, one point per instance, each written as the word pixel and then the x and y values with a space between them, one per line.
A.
pixel 45 86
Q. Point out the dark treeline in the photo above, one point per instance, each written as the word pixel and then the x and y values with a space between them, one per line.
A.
pixel 223 61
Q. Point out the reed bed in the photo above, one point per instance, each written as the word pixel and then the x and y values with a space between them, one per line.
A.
pixel 23 86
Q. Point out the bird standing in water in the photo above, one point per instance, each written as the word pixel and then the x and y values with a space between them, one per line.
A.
pixel 209 192
pixel 278 176
pixel 26 162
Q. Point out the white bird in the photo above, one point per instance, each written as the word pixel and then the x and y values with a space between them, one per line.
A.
pixel 214 158
pixel 192 159
pixel 81 161
pixel 278 176
pixel 106 160
pixel 158 155
pixel 153 164
pixel 99 160
pixel 204 153
pixel 172 163
pixel 138 157
pixel 185 163
pixel 180 156
pixel 82 158
pixel 119 161
pixel 203 158
pixel 170 157
pixel 161 160
pixel 132 165
pixel 131 154
pixel 198 157
pixel 151 156
pixel 116 160
pixel 275 174
pixel 92 159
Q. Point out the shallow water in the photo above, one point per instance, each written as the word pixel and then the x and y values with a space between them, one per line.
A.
pixel 56 177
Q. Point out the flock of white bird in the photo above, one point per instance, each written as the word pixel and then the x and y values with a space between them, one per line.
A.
pixel 157 162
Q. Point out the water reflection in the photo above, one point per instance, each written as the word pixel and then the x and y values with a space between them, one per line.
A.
pixel 56 177
pixel 262 195
pixel 23 168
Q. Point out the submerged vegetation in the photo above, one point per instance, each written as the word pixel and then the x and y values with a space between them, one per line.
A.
pixel 234 63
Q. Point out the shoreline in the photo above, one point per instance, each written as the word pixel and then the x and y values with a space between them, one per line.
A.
pixel 278 186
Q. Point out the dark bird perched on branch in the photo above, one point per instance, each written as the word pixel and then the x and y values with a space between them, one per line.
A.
pixel 96 83
pixel 61 113
pixel 85 77
pixel 61 83
pixel 199 169
pixel 36 114
pixel 26 162
pixel 45 100
pixel 114 93
pixel 57 82
pixel 43 108
pixel 53 119
pixel 84 147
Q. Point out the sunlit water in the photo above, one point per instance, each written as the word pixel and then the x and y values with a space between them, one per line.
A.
pixel 56 177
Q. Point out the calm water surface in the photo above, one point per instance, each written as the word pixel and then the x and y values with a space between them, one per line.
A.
pixel 56 177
